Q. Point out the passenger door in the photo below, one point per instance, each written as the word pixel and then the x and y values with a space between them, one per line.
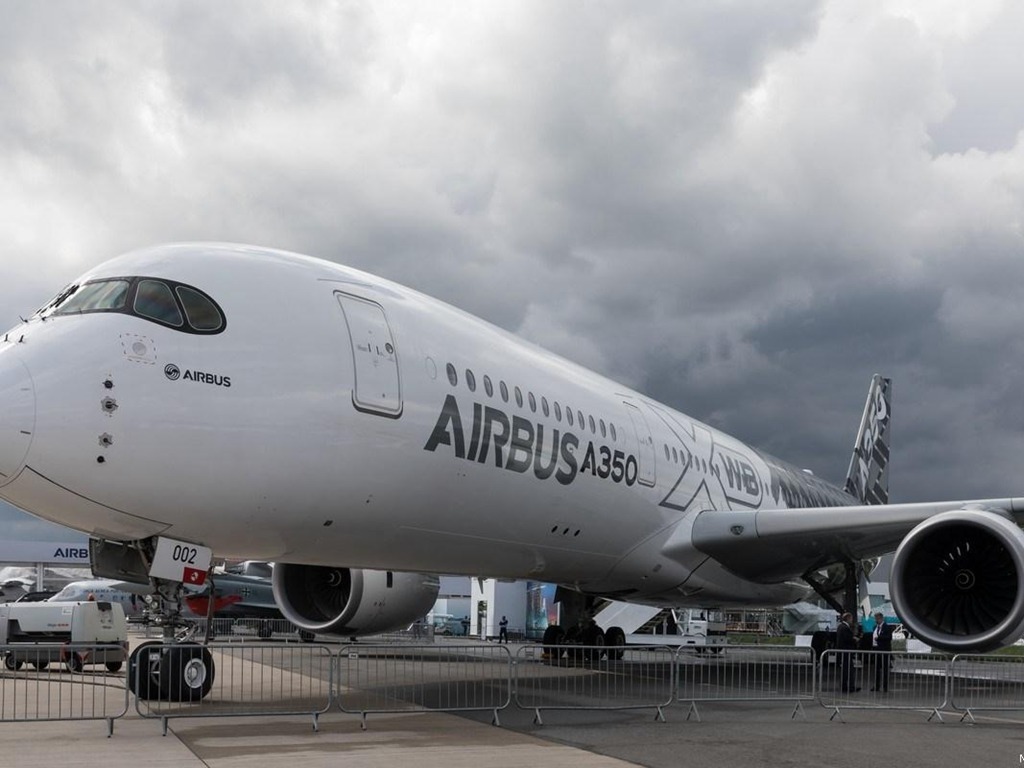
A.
pixel 378 384
pixel 646 453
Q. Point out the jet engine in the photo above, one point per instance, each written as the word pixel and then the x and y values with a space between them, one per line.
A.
pixel 351 601
pixel 957 581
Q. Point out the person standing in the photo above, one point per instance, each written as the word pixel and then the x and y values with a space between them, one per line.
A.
pixel 846 643
pixel 881 644
pixel 503 630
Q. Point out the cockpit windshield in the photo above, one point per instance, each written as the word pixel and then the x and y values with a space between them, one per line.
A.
pixel 165 302
pixel 94 297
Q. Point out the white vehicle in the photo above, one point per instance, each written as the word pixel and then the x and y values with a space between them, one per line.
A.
pixel 197 398
pixel 685 628
pixel 75 633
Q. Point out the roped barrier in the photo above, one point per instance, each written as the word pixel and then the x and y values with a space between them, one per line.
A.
pixel 61 681
pixel 735 673
pixel 247 679
pixel 883 680
pixel 594 677
pixel 399 678
pixel 990 682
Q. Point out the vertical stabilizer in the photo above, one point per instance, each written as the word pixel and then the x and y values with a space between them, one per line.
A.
pixel 868 478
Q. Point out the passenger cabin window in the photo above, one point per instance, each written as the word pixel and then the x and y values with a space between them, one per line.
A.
pixel 470 380
pixel 488 387
pixel 160 301
pixel 453 376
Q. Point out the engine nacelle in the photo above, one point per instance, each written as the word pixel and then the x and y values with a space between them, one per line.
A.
pixel 957 581
pixel 351 601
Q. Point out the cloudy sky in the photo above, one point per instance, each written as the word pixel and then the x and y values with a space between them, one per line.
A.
pixel 743 209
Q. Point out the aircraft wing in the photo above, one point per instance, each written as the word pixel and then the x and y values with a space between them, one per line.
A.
pixel 771 545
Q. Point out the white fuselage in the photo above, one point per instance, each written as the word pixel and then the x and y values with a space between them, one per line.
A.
pixel 341 419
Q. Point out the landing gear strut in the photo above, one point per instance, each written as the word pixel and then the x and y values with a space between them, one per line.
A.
pixel 849 588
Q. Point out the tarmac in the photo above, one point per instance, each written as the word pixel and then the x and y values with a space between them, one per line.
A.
pixel 728 733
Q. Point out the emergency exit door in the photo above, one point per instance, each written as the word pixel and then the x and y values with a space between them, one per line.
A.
pixel 378 385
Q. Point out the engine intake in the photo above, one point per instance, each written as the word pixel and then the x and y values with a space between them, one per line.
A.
pixel 351 601
pixel 957 581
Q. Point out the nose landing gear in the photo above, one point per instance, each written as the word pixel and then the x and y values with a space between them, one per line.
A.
pixel 171 669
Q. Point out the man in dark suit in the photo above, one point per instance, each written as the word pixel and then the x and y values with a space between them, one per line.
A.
pixel 846 643
pixel 881 645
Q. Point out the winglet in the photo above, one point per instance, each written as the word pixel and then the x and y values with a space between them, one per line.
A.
pixel 868 478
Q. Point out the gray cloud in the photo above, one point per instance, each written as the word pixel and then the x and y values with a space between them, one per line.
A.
pixel 744 210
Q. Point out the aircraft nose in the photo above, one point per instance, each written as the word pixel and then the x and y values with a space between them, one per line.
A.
pixel 17 415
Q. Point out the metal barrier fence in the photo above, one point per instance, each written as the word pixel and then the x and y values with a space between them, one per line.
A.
pixel 399 678
pixel 990 682
pixel 260 630
pixel 252 679
pixel 745 673
pixel 879 680
pixel 66 681
pixel 228 629
pixel 588 677
pixel 88 682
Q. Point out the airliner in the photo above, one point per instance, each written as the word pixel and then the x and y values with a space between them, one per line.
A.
pixel 190 399
pixel 235 596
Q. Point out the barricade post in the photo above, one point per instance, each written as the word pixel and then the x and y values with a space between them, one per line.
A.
pixel 734 673
pixel 989 682
pixel 907 681
pixel 378 678
pixel 63 681
pixel 594 678
pixel 255 679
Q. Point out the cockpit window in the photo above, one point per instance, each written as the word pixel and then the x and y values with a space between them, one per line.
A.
pixel 95 297
pixel 202 313
pixel 162 301
pixel 155 300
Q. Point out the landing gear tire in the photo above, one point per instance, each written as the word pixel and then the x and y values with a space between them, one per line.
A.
pixel 12 663
pixel 615 641
pixel 264 632
pixel 113 666
pixel 186 672
pixel 593 638
pixel 554 637
pixel 143 678
pixel 181 673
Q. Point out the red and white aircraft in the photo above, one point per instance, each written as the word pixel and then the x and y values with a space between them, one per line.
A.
pixel 197 398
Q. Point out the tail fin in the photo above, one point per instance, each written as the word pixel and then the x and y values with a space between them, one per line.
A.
pixel 868 478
